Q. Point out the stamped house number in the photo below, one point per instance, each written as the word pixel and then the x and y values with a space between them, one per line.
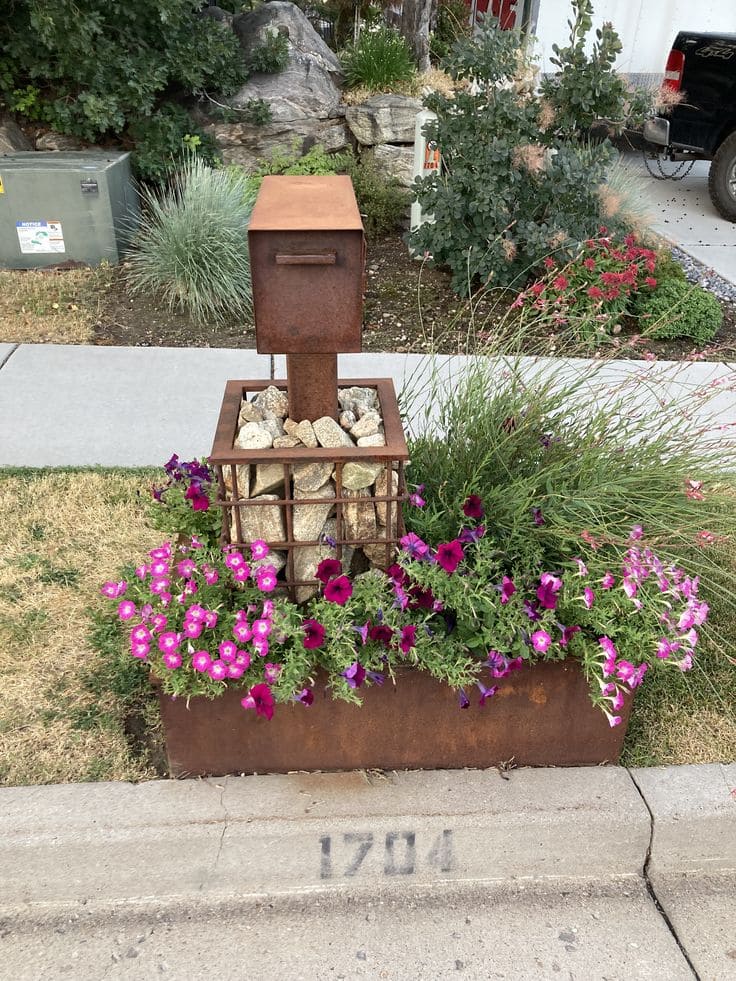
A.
pixel 342 856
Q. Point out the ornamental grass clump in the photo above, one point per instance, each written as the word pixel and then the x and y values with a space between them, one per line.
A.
pixel 192 244
pixel 378 60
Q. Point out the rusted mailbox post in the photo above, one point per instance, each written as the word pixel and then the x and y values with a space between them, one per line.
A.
pixel 337 491
pixel 307 256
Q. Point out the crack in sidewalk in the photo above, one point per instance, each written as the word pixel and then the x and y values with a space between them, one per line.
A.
pixel 9 355
pixel 650 887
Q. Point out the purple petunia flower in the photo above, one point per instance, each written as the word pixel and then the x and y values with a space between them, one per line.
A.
pixel 507 589
pixel 305 696
pixel 354 674
pixel 408 638
pixel 486 693
pixel 538 516
pixel 464 700
pixel 567 634
pixel 414 547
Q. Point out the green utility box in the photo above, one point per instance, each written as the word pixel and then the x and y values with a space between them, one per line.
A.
pixel 62 206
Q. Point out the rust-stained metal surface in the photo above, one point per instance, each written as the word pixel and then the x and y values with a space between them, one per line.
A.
pixel 541 716
pixel 312 386
pixel 307 256
pixel 393 456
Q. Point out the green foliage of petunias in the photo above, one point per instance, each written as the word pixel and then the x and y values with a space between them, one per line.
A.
pixel 380 59
pixel 93 68
pixel 192 245
pixel 679 309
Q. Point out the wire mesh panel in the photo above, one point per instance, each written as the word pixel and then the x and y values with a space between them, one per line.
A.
pixel 312 502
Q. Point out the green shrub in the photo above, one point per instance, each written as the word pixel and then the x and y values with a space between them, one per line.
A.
pixel 586 88
pixel 677 308
pixel 162 138
pixel 382 201
pixel 271 56
pixel 316 161
pixel 452 23
pixel 192 245
pixel 97 70
pixel 380 59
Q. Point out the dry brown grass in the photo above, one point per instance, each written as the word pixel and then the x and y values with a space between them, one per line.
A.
pixel 64 533
pixel 433 80
pixel 57 307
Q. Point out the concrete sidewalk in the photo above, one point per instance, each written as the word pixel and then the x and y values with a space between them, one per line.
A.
pixel 528 874
pixel 67 405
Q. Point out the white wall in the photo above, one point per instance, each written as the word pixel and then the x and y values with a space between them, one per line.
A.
pixel 647 28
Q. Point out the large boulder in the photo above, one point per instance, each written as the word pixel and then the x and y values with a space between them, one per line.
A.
pixel 12 138
pixel 384 119
pixel 308 86
pixel 304 98
pixel 394 161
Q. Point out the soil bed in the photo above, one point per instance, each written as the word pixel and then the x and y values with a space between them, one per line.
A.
pixel 409 307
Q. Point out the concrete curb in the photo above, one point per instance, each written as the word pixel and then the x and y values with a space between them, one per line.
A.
pixel 693 812
pixel 282 835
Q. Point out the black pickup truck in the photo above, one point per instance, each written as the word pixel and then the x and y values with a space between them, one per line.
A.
pixel 703 125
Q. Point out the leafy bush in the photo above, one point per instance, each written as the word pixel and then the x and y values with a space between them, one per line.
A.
pixel 192 245
pixel 509 192
pixel 679 309
pixel 316 161
pixel 94 69
pixel 586 88
pixel 380 59
pixel 383 203
pixel 270 57
pixel 452 23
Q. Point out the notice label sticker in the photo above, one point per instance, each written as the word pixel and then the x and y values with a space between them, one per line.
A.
pixel 2 189
pixel 38 237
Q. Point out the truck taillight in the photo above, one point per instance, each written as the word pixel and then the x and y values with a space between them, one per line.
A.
pixel 673 70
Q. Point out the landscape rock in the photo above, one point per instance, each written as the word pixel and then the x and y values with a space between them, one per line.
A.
pixel 384 119
pixel 291 428
pixel 242 476
pixel 367 425
pixel 268 477
pixel 249 413
pixel 329 434
pixel 312 475
pixel 12 137
pixel 217 14
pixel 309 519
pixel 272 424
pixel 266 523
pixel 248 145
pixel 376 554
pixel 59 141
pixel 347 419
pixel 359 517
pixel 286 442
pixel 253 437
pixel 396 162
pixel 358 400
pixel 358 474
pixel 273 400
pixel 305 432
pixel 378 439
pixel 381 491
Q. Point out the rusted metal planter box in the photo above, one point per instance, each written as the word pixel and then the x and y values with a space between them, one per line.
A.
pixel 541 716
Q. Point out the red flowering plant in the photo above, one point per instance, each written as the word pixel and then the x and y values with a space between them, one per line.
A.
pixel 588 296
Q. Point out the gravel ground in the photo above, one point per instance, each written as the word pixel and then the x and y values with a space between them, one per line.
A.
pixel 699 273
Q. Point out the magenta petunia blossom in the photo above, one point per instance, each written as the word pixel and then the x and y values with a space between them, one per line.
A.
pixel 242 573
pixel 305 696
pixel 158 622
pixel 262 628
pixel 258 549
pixel 140 634
pixel 540 641
pixel 242 658
pixel 636 533
pixel 227 651
pixel 507 589
pixel 159 568
pixel 168 641
pixel 381 634
pixel 260 646
pixel 162 552
pixel 192 629
pixel 114 590
pixel 473 507
pixel 416 499
pixel 235 671
pixel 266 578
pixel 339 590
pixel 186 568
pixel 608 581
pixel 261 699
pixel 408 638
pixel 126 610
pixel 588 597
pixel 271 672
pixel 582 567
pixel 327 569
pixel 140 649
pixel 172 660
pixel 211 576
pixel 537 516
pixel 567 634
pixel 201 661
pixel 242 632
pixel 314 634
pixel 450 555
pixel 200 501
pixel 354 674
pixel 234 560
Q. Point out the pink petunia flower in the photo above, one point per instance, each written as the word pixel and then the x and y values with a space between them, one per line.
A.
pixel 172 660
pixel 262 628
pixel 588 597
pixel 258 549
pixel 201 661
pixel 242 632
pixel 314 634
pixel 114 590
pixel 266 578
pixel 271 672
pixel 261 699
pixel 140 649
pixel 168 641
pixel 227 651
pixel 126 610
pixel 408 638
pixel 507 590
pixel 234 560
pixel 540 641
pixel 217 670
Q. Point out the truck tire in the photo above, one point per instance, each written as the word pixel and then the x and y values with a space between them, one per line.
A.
pixel 722 178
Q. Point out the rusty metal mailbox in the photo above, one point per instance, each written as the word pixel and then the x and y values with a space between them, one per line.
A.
pixel 307 256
